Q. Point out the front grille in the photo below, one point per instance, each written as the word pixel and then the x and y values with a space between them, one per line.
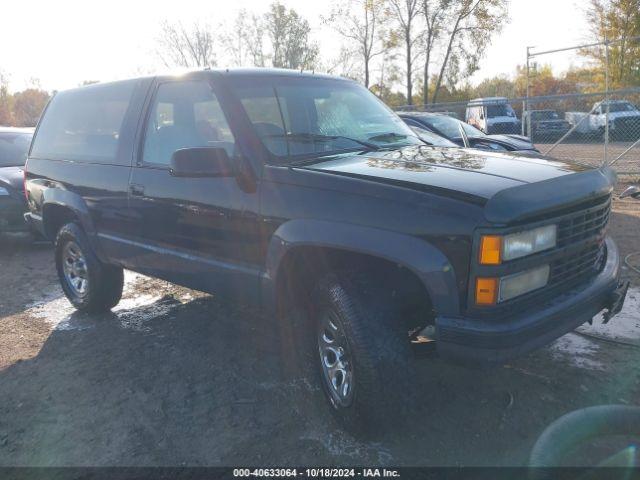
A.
pixel 586 227
pixel 577 266
pixel 583 224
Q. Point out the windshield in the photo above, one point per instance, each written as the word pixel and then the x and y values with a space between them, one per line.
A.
pixel 318 117
pixel 449 127
pixel 620 107
pixel 13 149
pixel 545 115
pixel 500 110
pixel 432 138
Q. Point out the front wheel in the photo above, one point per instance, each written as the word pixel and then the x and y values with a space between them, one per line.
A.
pixel 89 284
pixel 363 357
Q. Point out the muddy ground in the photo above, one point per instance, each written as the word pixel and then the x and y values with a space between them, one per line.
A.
pixel 176 377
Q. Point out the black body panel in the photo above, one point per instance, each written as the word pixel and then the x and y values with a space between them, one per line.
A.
pixel 417 207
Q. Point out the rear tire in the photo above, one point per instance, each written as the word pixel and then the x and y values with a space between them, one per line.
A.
pixel 89 284
pixel 361 354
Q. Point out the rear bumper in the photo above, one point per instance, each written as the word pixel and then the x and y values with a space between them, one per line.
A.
pixel 492 342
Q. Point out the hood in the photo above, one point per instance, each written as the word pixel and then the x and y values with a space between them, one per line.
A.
pixel 626 114
pixel 516 142
pixel 472 174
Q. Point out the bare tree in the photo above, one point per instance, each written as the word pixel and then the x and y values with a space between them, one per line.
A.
pixel 406 14
pixel 345 64
pixel 434 13
pixel 472 23
pixel 254 41
pixel 184 47
pixel 361 22
pixel 234 41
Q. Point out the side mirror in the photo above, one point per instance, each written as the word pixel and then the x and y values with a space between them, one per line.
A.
pixel 201 162
pixel 633 191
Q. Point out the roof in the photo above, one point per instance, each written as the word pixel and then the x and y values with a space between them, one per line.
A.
pixel 484 100
pixel 232 72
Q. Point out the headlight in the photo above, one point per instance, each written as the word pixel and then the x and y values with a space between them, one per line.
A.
pixel 524 282
pixel 3 192
pixel 490 291
pixel 495 249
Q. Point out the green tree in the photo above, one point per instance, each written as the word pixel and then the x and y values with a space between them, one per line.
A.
pixel 290 38
pixel 617 21
pixel 28 106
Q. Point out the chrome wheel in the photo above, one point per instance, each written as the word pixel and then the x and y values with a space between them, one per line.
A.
pixel 335 360
pixel 74 266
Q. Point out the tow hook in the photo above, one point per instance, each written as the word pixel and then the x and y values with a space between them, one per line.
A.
pixel 616 300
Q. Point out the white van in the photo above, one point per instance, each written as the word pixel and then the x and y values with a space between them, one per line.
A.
pixel 492 115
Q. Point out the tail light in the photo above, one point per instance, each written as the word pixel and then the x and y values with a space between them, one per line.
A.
pixel 24 183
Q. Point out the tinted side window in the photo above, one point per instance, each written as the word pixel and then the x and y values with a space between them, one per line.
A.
pixel 84 124
pixel 185 114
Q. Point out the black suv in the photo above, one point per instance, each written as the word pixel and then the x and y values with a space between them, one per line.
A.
pixel 307 195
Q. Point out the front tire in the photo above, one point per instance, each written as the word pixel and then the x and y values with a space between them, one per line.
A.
pixel 362 355
pixel 89 284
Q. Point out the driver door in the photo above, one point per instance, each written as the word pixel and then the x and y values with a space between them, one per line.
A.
pixel 198 232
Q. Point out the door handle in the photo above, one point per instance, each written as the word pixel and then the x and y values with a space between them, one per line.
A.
pixel 136 190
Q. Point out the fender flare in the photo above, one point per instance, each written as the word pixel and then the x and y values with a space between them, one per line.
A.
pixel 73 202
pixel 426 261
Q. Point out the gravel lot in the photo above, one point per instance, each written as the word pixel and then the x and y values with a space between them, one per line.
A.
pixel 176 377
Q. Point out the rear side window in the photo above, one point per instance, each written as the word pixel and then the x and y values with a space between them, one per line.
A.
pixel 84 124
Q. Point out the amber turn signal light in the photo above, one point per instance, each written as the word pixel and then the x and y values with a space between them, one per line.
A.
pixel 490 250
pixel 486 291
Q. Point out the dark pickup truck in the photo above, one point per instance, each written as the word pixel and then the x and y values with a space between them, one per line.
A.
pixel 306 195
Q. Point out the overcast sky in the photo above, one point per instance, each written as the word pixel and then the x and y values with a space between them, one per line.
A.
pixel 63 42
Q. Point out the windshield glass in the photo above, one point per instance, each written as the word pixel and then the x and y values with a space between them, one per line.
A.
pixel 620 107
pixel 500 110
pixel 13 149
pixel 545 115
pixel 449 127
pixel 433 138
pixel 316 117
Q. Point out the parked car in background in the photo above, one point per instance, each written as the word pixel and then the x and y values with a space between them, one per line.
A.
pixel 492 115
pixel 624 119
pixel 465 135
pixel 431 138
pixel 545 125
pixel 14 146
pixel 304 194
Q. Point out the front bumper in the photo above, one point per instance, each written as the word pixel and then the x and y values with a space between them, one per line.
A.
pixel 492 342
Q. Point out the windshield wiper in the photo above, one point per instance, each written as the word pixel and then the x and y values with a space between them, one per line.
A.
pixel 316 137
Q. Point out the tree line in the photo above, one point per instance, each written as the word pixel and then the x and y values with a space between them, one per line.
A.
pixel 408 52
pixel 421 45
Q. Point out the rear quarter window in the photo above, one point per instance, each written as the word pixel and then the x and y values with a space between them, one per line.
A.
pixel 85 124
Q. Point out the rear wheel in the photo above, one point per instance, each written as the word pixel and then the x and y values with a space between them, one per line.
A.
pixel 363 357
pixel 89 284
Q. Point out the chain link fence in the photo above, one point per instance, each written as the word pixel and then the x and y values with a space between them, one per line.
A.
pixel 600 127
